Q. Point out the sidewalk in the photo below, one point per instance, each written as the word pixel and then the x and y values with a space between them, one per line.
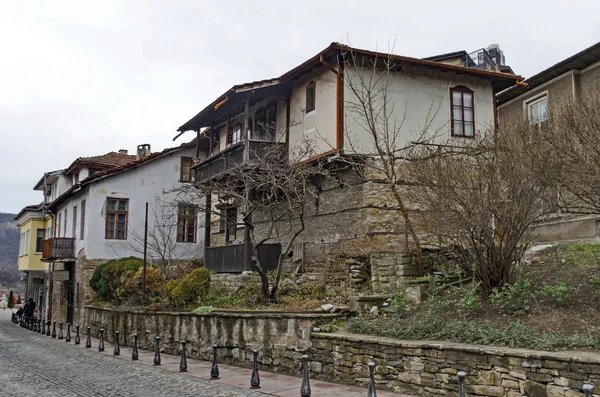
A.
pixel 270 383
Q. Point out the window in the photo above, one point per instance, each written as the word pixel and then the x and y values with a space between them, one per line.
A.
pixel 39 240
pixel 462 112
pixel 266 119
pixel 116 218
pixel 57 234
pixel 537 110
pixel 310 96
pixel 82 223
pixel 74 221
pixel 231 220
pixel 186 170
pixel 27 237
pixel 222 220
pixel 236 134
pixel 186 224
pixel 22 245
pixel 65 224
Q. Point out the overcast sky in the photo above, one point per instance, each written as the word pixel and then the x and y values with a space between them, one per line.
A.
pixel 83 78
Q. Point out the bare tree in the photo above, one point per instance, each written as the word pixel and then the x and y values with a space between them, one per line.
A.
pixel 481 198
pixel 568 153
pixel 163 246
pixel 270 193
pixel 380 158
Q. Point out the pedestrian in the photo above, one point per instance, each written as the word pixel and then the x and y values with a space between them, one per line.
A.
pixel 29 308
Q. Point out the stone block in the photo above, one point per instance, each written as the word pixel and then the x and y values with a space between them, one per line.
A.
pixel 486 378
pixel 555 391
pixel 482 390
pixel 411 378
pixel 540 378
pixel 510 384
pixel 534 389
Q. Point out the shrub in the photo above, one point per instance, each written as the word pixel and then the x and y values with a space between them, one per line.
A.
pixel 469 300
pixel 11 299
pixel 132 283
pixel 109 278
pixel 559 292
pixel 190 289
pixel 514 298
pixel 399 303
pixel 19 299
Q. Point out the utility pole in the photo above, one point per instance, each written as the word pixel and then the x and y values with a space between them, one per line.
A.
pixel 145 253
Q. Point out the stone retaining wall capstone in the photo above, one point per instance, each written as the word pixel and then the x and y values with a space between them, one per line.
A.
pixel 429 368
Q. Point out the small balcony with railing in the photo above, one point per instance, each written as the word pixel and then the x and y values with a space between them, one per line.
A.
pixel 58 249
pixel 235 156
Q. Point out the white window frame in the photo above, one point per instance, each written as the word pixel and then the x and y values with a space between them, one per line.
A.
pixel 543 96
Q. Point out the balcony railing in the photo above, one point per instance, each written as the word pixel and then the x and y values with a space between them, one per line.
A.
pixel 58 248
pixel 234 156
pixel 235 258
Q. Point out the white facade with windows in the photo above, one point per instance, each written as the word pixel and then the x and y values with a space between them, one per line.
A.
pixel 106 215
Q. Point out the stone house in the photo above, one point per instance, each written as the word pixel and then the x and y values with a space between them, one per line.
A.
pixel 570 80
pixel 102 217
pixel 315 102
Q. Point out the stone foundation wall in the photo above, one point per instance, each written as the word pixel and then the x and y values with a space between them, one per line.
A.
pixel 429 368
pixel 281 338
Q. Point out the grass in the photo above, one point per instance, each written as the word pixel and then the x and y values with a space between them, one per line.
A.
pixel 552 306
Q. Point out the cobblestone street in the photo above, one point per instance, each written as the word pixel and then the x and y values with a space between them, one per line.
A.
pixel 33 365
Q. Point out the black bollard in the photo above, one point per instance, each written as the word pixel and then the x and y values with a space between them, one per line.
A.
pixel 183 362
pixel 135 355
pixel 60 333
pixel 305 387
pixel 101 344
pixel 461 383
pixel 54 329
pixel 214 369
pixel 39 326
pixel 43 328
pixel 372 392
pixel 68 338
pixel 48 329
pixel 77 339
pixel 88 342
pixel 588 390
pixel 255 379
pixel 157 351
pixel 117 350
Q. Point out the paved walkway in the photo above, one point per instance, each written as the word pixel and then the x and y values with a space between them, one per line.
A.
pixel 231 378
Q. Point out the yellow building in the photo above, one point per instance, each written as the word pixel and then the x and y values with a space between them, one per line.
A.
pixel 35 226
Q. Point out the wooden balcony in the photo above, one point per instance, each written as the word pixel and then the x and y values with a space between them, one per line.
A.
pixel 233 156
pixel 235 258
pixel 59 248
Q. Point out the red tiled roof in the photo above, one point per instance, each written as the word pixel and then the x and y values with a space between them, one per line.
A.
pixel 104 161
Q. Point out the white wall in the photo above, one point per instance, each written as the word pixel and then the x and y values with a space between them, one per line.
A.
pixel 139 185
pixel 421 98
pixel 318 127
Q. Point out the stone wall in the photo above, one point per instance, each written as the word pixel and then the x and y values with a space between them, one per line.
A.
pixel 281 338
pixel 429 368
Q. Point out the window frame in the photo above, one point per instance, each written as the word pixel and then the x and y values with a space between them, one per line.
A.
pixel 65 222
pixel 236 132
pixel 39 244
pixel 181 169
pixel 534 101
pixel 462 90
pixel 184 220
pixel 57 223
pixel 231 215
pixel 117 212
pixel 309 107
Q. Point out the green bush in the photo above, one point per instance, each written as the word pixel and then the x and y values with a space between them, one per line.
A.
pixel 558 292
pixel 19 299
pixel 514 298
pixel 399 303
pixel 109 278
pixel 469 300
pixel 11 299
pixel 190 289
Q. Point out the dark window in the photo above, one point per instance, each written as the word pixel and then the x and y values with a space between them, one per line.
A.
pixel 39 239
pixel 186 224
pixel 117 211
pixel 65 224
pixel 82 225
pixel 222 220
pixel 186 170
pixel 266 119
pixel 230 233
pixel 462 112
pixel 75 221
pixel 310 96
